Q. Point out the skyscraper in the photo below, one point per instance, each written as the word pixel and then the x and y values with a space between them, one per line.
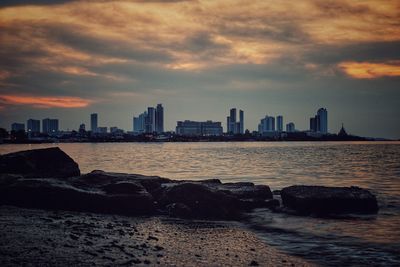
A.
pixel 50 126
pixel 322 113
pixel 241 121
pixel 267 124
pixel 232 123
pixel 279 123
pixel 151 120
pixel 93 122
pixel 33 126
pixel 159 121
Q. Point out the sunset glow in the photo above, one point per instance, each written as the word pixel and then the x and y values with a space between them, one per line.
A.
pixel 45 102
pixel 367 70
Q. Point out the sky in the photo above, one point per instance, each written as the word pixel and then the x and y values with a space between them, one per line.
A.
pixel 67 59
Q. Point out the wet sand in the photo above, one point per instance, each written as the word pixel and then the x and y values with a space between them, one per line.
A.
pixel 49 238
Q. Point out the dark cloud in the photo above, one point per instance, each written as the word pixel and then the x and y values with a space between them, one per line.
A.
pixel 7 3
pixel 366 51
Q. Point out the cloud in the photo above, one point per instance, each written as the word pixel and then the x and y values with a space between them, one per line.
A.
pixel 371 70
pixel 45 102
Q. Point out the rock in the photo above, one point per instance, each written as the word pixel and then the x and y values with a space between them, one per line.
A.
pixel 39 163
pixel 203 201
pixel 246 190
pixel 179 210
pixel 321 200
pixel 60 195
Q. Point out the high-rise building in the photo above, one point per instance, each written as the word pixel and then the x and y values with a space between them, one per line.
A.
pixel 150 120
pixel 50 126
pixel 17 127
pixel 279 123
pixel 322 113
pixel 198 128
pixel 290 128
pixel 241 121
pixel 267 125
pixel 159 121
pixel 232 125
pixel 93 122
pixel 319 123
pixel 33 126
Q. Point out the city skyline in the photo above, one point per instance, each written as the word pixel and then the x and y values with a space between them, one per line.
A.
pixel 152 121
pixel 67 59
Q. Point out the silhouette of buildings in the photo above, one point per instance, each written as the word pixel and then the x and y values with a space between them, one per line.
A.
pixel 198 128
pixel 319 123
pixel 82 127
pixel 233 126
pixel 290 127
pixel 266 125
pixel 17 127
pixel 279 123
pixel 50 126
pixel 93 122
pixel 33 126
pixel 159 119
pixel 151 121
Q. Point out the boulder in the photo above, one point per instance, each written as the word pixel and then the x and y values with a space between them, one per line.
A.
pixel 39 163
pixel 246 190
pixel 202 201
pixel 321 200
pixel 60 195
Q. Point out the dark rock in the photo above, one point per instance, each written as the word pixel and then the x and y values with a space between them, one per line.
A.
pixel 245 190
pixel 179 210
pixel 59 195
pixel 39 163
pixel 321 200
pixel 202 200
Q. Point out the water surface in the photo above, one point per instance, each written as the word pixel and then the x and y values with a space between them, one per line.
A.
pixel 371 240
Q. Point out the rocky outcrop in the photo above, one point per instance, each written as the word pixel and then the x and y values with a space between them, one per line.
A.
pixel 39 163
pixel 32 179
pixel 321 200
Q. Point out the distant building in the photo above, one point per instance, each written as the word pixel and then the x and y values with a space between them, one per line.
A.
pixel 279 123
pixel 241 121
pixel 323 117
pixel 319 123
pixel 115 130
pixel 93 122
pixel 102 130
pixel 50 126
pixel 33 126
pixel 232 125
pixel 17 127
pixel 82 127
pixel 266 125
pixel 159 119
pixel 290 127
pixel 150 121
pixel 197 128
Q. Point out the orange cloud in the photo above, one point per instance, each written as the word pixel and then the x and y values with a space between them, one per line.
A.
pixel 368 70
pixel 45 102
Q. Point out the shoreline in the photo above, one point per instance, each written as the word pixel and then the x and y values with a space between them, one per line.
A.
pixel 34 236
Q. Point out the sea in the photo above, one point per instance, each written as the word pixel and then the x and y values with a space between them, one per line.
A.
pixel 351 240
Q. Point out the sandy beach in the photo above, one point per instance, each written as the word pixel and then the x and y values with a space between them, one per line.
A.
pixel 49 238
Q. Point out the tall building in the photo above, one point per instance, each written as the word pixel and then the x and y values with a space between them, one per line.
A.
pixel 232 125
pixel 150 120
pixel 290 128
pixel 279 123
pixel 267 125
pixel 198 128
pixel 322 113
pixel 241 121
pixel 50 126
pixel 93 122
pixel 17 127
pixel 319 123
pixel 33 126
pixel 159 119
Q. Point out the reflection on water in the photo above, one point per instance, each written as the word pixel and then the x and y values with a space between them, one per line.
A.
pixel 373 165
